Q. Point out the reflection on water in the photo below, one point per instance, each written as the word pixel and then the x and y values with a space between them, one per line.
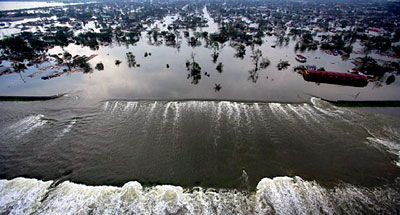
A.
pixel 229 130
pixel 17 5
pixel 144 76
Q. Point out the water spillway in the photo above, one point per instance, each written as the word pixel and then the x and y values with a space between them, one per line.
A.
pixel 196 156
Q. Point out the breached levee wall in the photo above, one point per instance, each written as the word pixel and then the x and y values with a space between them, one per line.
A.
pixel 244 117
pixel 280 195
pixel 167 121
pixel 157 121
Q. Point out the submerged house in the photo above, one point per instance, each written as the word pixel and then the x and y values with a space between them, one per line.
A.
pixel 4 70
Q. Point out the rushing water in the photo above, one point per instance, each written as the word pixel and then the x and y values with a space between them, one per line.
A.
pixel 281 195
pixel 145 140
pixel 217 151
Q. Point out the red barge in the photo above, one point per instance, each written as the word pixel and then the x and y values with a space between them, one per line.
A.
pixel 345 79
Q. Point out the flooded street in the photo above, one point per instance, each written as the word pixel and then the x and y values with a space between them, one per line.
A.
pixel 151 138
pixel 17 5
pixel 151 79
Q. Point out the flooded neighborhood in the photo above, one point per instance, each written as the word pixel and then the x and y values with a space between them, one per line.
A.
pixel 200 107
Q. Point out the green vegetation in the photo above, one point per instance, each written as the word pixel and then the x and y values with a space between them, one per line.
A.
pixel 217 87
pixel 131 59
pixel 99 66
pixel 220 67
pixel 82 62
pixel 194 70
pixel 336 43
pixel 283 65
pixel 243 26
pixel 369 66
pixel 265 62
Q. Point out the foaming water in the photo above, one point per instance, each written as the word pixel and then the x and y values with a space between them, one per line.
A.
pixel 331 111
pixel 28 124
pixel 202 143
pixel 286 195
pixel 106 105
pixel 165 114
pixel 389 141
pixel 66 129
pixel 130 106
pixel 279 195
pixel 69 126
pixel 278 110
pixel 21 195
pixel 312 113
pixel 298 111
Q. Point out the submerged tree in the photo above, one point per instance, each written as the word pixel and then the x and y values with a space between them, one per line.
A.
pixel 194 41
pixel 131 59
pixel 194 70
pixel 370 66
pixel 215 54
pixel 19 67
pixel 217 87
pixel 99 66
pixel 67 55
pixel 67 60
pixel 240 51
pixel 16 48
pixel 220 67
pixel 283 65
pixel 82 62
pixel 253 75
pixel 256 56
pixel 265 62
pixel 390 79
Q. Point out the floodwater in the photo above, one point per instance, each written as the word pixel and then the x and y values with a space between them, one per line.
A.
pixel 221 156
pixel 18 5
pixel 147 140
pixel 153 80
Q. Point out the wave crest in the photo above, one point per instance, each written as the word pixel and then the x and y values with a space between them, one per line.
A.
pixel 280 195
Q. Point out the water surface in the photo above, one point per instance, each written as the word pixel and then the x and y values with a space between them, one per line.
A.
pixel 18 5
pixel 148 140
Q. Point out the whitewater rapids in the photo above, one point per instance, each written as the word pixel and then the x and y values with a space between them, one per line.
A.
pixel 280 195
pixel 200 144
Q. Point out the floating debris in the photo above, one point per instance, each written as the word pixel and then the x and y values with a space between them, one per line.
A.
pixel 283 65
pixel 301 58
pixel 5 70
pixel 53 75
pixel 34 74
pixel 92 56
